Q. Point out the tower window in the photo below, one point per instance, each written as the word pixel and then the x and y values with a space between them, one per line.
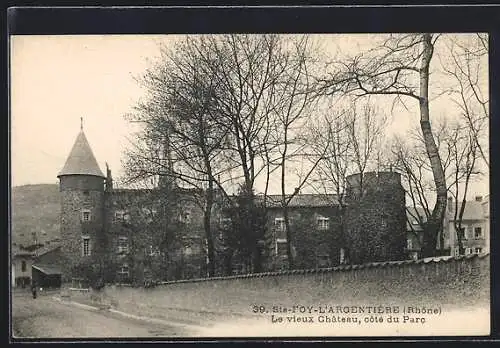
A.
pixel 86 246
pixel 122 244
pixel 185 217
pixel 86 215
pixel 23 266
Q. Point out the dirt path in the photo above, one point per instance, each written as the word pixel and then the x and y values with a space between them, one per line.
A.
pixel 46 318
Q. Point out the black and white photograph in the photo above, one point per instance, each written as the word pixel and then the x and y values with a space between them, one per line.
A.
pixel 249 185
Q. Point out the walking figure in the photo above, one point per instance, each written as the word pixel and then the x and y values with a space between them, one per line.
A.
pixel 33 290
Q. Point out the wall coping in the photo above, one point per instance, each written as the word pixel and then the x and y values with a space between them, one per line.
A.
pixel 341 268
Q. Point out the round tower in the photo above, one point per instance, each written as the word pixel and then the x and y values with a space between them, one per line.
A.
pixel 81 186
pixel 375 217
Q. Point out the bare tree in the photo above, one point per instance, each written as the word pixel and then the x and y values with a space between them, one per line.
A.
pixel 465 153
pixel 466 67
pixel 181 140
pixel 400 67
pixel 292 104
pixel 459 154
pixel 348 140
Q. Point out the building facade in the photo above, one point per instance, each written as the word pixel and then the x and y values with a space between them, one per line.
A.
pixel 475 229
pixel 21 267
pixel 129 235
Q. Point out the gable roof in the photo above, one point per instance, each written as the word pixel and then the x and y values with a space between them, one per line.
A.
pixel 81 160
pixel 473 211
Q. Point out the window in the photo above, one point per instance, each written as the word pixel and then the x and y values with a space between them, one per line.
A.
pixel 188 250
pixel 409 244
pixel 149 214
pixel 478 250
pixel 225 222
pixel 478 232
pixel 153 251
pixel 121 216
pixel 123 271
pixel 86 215
pixel 468 251
pixel 457 252
pixel 86 246
pixel 342 256
pixel 280 227
pixel 281 247
pixel 323 223
pixel 185 217
pixel 122 244
pixel 414 255
pixel 23 266
pixel 323 260
pixel 461 233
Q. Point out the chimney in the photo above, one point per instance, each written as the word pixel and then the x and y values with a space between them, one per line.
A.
pixel 479 198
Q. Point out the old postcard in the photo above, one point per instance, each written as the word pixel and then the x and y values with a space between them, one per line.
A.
pixel 250 185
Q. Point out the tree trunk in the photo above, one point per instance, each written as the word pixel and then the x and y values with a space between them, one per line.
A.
pixel 208 228
pixel 435 222
pixel 288 238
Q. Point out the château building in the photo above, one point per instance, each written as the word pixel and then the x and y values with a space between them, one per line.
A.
pixel 132 235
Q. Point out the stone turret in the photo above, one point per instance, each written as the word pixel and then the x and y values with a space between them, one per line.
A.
pixel 375 218
pixel 81 184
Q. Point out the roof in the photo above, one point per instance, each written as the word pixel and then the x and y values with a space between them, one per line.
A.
pixel 47 269
pixel 473 211
pixel 81 160
pixel 304 200
pixel 47 249
pixel 16 251
pixel 412 214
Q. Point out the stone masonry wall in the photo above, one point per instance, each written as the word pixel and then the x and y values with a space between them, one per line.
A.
pixel 375 218
pixel 73 201
pixel 448 283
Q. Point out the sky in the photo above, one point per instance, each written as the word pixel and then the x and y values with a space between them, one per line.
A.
pixel 56 80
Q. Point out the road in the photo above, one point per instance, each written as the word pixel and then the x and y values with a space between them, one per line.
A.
pixel 45 317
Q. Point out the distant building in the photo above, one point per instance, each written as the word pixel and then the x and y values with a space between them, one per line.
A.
pixel 45 271
pixel 21 267
pixel 475 229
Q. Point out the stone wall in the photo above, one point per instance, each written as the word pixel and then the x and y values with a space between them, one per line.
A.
pixel 449 283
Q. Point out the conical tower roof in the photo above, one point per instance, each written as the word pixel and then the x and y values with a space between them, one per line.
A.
pixel 81 160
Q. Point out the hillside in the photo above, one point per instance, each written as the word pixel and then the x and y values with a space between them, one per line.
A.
pixel 35 213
